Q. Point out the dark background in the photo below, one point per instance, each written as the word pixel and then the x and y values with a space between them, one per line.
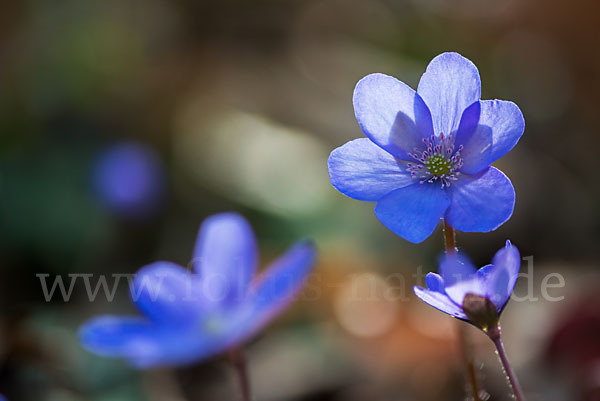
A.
pixel 123 124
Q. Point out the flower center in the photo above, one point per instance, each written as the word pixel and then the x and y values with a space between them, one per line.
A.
pixel 438 161
pixel 438 165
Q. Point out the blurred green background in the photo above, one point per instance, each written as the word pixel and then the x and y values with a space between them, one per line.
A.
pixel 215 105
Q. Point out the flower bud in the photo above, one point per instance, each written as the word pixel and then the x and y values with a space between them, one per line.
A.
pixel 481 311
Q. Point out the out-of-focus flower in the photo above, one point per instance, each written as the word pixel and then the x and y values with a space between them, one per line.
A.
pixel 129 180
pixel 428 153
pixel 573 348
pixel 477 296
pixel 189 317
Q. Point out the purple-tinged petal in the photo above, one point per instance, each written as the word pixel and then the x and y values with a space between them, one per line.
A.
pixel 491 280
pixel 455 267
pixel 509 258
pixel 482 202
pixel 434 282
pixel 169 294
pixel 226 255
pixel 123 337
pixel 485 271
pixel 413 212
pixel 472 285
pixel 439 301
pixel 497 131
pixel 278 285
pixel 507 263
pixel 450 84
pixel 362 170
pixel 391 114
pixel 145 345
pixel 468 125
pixel 460 277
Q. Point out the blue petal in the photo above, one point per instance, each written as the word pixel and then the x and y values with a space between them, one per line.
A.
pixel 455 267
pixel 460 277
pixel 145 345
pixel 492 279
pixel 497 130
pixel 471 285
pixel 278 285
pixel 226 255
pixel 362 170
pixel 124 337
pixel 391 114
pixel 439 301
pixel 413 212
pixel 449 85
pixel 434 282
pixel 468 125
pixel 503 278
pixel 169 294
pixel 482 202
pixel 485 271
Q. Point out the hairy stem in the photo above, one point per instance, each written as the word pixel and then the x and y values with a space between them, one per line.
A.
pixel 465 343
pixel 510 373
pixel 449 238
pixel 467 355
pixel 238 361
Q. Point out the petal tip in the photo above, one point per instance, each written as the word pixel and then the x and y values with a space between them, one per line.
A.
pixel 229 216
pixel 452 57
pixel 418 290
pixel 366 80
pixel 434 282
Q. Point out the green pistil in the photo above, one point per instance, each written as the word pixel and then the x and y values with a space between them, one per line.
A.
pixel 438 165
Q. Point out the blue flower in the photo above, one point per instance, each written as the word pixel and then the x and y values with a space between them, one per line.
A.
pixel 129 180
pixel 189 317
pixel 477 296
pixel 427 153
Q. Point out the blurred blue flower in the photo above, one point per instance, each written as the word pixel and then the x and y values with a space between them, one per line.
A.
pixel 477 296
pixel 129 179
pixel 189 317
pixel 427 153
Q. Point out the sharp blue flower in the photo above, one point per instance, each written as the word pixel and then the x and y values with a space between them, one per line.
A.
pixel 477 296
pixel 428 152
pixel 189 316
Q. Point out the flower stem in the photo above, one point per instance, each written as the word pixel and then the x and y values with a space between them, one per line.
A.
pixel 494 335
pixel 465 343
pixel 471 372
pixel 238 361
pixel 449 238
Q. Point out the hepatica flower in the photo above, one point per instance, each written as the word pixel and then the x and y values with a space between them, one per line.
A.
pixel 188 316
pixel 428 152
pixel 129 180
pixel 476 296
